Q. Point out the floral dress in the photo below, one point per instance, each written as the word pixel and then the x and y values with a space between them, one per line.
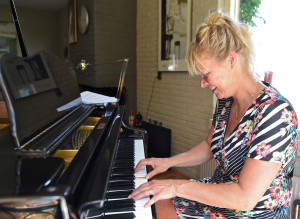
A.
pixel 267 131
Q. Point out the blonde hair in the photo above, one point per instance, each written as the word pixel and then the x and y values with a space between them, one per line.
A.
pixel 217 37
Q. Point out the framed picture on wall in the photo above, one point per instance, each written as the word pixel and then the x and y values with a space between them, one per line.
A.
pixel 72 21
pixel 8 38
pixel 174 34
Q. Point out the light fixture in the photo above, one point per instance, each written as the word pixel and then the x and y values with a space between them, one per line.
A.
pixel 83 65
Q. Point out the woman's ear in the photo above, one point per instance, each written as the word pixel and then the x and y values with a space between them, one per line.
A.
pixel 232 58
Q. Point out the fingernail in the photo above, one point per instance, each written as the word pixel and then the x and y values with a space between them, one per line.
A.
pixel 129 196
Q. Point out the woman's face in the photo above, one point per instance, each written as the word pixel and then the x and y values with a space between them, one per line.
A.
pixel 218 76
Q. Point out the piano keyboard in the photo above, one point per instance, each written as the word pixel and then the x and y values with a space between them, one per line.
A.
pixel 122 182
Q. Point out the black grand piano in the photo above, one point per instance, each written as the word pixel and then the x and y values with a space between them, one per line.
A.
pixel 77 163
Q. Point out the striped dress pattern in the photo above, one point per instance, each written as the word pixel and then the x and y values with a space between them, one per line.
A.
pixel 268 132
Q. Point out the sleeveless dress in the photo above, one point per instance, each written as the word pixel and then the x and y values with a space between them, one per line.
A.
pixel 267 131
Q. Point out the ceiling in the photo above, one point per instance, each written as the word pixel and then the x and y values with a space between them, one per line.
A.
pixel 53 5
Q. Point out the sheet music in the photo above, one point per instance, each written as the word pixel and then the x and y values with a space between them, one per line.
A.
pixel 88 97
pixel 94 98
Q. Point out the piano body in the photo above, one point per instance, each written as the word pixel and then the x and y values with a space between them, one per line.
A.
pixel 38 180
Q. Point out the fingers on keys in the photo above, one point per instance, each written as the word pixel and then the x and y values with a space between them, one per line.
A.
pixel 152 201
pixel 141 192
pixel 141 163
pixel 151 174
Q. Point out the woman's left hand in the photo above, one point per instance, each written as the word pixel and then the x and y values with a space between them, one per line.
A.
pixel 159 189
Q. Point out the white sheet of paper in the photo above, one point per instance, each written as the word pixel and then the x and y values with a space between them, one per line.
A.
pixel 88 97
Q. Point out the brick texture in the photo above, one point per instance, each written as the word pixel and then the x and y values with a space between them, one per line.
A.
pixel 177 100
pixel 111 36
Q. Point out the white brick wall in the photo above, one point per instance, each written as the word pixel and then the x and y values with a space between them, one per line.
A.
pixel 111 36
pixel 178 101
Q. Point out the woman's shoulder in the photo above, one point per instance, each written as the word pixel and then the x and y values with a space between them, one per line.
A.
pixel 270 96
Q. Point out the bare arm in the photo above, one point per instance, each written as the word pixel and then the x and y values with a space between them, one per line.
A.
pixel 196 156
pixel 199 154
pixel 256 176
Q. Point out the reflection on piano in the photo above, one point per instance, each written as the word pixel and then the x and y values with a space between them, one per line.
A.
pixel 40 180
pixel 74 164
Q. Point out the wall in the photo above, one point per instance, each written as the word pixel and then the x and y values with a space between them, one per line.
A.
pixel 111 36
pixel 39 28
pixel 177 100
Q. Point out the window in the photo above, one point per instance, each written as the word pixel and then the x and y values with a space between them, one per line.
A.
pixel 277 44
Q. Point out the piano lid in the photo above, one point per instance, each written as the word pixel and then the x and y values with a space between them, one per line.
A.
pixel 33 88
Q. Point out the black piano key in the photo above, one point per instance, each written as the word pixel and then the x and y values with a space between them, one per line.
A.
pixel 120 209
pixel 126 152
pixel 119 216
pixel 124 161
pixel 123 172
pixel 123 165
pixel 121 187
pixel 120 202
pixel 119 194
pixel 122 177
pixel 120 183
pixel 115 180
pixel 119 205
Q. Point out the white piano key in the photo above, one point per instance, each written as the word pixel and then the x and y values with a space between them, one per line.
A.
pixel 139 181
pixel 142 202
pixel 139 155
pixel 143 213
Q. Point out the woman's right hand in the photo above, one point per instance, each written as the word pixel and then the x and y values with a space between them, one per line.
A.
pixel 159 165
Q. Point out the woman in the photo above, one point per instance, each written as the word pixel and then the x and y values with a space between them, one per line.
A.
pixel 253 136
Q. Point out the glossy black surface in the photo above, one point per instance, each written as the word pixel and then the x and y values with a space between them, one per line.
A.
pixel 87 177
pixel 98 177
pixel 78 169
pixel 26 176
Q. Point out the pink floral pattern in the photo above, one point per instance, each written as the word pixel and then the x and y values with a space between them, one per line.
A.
pixel 268 131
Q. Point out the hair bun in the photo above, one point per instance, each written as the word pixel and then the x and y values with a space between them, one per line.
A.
pixel 216 19
pixel 217 37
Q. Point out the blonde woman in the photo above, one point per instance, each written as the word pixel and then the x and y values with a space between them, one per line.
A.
pixel 253 136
